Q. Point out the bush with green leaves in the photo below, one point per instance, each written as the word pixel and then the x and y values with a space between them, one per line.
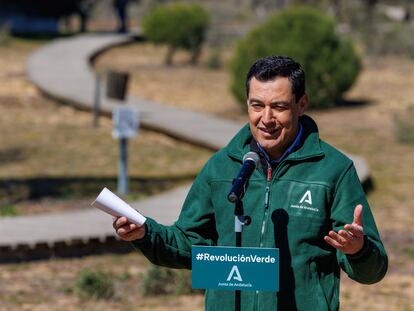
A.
pixel 178 26
pixel 8 210
pixel 161 281
pixel 391 38
pixel 308 36
pixel 404 125
pixel 94 285
pixel 4 34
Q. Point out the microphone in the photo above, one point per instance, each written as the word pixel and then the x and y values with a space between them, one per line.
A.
pixel 250 160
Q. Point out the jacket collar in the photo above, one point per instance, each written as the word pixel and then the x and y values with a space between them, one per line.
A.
pixel 309 145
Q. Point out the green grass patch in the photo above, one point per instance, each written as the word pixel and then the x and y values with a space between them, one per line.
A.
pixel 8 210
pixel 404 126
pixel 409 251
pixel 124 276
pixel 164 281
pixel 94 285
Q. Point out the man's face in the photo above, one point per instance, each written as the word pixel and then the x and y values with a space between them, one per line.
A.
pixel 274 114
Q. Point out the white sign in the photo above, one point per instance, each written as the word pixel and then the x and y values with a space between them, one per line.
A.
pixel 125 121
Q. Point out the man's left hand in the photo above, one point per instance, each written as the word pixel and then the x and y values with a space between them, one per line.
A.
pixel 351 240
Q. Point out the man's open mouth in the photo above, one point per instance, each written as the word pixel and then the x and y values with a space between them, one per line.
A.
pixel 269 131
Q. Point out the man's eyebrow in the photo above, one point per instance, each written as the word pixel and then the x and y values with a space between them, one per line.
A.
pixel 280 102
pixel 277 102
pixel 255 100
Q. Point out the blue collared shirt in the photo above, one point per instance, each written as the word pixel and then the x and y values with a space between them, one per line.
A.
pixel 289 150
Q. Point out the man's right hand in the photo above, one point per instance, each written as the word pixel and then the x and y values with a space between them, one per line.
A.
pixel 127 230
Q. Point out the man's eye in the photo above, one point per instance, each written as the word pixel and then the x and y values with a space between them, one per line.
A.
pixel 257 106
pixel 279 107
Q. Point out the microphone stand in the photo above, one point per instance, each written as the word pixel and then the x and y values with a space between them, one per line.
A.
pixel 239 221
pixel 250 160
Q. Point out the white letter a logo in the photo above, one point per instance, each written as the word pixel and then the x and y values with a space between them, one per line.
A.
pixel 234 274
pixel 307 197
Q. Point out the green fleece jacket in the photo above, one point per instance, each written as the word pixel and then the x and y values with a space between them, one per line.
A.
pixel 313 190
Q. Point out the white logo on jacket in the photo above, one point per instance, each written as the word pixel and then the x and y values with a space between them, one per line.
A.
pixel 307 197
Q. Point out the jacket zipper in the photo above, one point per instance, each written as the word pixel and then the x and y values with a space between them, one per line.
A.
pixel 266 210
pixel 266 204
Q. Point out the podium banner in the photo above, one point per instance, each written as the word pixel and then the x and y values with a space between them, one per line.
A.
pixel 235 268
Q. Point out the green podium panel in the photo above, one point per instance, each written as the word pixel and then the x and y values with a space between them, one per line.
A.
pixel 235 268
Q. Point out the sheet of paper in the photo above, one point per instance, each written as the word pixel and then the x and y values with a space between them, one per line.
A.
pixel 110 203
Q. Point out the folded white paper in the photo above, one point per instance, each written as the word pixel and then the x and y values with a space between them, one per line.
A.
pixel 110 203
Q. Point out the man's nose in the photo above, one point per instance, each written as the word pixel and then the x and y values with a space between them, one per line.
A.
pixel 267 115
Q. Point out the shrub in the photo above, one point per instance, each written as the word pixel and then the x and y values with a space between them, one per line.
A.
pixel 214 60
pixel 94 285
pixel 330 62
pixel 404 127
pixel 178 26
pixel 4 34
pixel 157 281
pixel 409 251
pixel 161 281
pixel 8 210
pixel 392 38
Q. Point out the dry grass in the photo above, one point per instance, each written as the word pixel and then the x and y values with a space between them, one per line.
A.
pixel 366 130
pixel 193 88
pixel 42 138
pixel 49 285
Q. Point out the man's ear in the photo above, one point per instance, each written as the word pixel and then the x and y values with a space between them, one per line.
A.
pixel 303 104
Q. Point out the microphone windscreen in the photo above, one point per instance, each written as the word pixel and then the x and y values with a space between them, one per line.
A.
pixel 251 156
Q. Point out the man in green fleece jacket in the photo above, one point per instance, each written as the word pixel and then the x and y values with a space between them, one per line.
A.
pixel 305 199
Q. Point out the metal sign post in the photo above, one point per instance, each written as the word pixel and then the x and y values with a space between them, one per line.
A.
pixel 97 101
pixel 126 123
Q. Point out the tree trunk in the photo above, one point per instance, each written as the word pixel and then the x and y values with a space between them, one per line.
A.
pixel 170 55
pixel 336 8
pixel 83 22
pixel 195 55
pixel 370 23
pixel 280 4
pixel 369 9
